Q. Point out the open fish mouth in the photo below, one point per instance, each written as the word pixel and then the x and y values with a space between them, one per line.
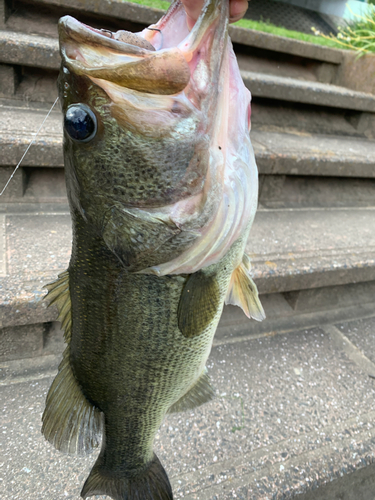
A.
pixel 162 59
pixel 166 144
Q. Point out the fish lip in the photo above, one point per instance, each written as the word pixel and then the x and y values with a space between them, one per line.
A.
pixel 71 30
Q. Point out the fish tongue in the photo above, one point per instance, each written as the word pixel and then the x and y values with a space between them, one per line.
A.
pixel 132 39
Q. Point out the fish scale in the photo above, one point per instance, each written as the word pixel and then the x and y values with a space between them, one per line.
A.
pixel 162 186
pixel 134 342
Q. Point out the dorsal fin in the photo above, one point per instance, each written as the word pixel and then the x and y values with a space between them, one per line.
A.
pixel 70 423
pixel 243 292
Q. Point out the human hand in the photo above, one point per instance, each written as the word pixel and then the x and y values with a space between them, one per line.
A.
pixel 193 8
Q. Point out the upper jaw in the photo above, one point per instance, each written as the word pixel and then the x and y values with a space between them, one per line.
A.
pixel 72 31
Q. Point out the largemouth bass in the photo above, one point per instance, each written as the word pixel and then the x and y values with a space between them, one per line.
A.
pixel 162 186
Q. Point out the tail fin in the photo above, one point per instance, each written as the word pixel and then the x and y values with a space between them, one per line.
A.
pixel 151 483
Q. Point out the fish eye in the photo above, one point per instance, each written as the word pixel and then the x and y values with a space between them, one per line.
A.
pixel 80 123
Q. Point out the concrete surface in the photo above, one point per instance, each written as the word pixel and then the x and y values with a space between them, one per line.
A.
pixel 322 94
pixel 353 72
pixel 7 80
pixel 289 191
pixel 293 412
pixel 301 153
pixel 284 45
pixel 116 9
pixel 3 13
pixel 293 117
pixel 18 126
pixel 29 50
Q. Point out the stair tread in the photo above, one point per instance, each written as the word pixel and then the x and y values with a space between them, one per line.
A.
pixel 307 248
pixel 300 153
pixel 29 50
pixel 291 152
pixel 290 249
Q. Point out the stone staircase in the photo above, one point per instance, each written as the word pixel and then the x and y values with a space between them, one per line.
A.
pixel 313 241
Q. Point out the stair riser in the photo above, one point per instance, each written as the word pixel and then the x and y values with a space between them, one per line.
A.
pixel 4 13
pixel 286 191
pixel 288 91
pixel 286 65
pixel 272 114
pixel 31 341
pixel 8 80
pixel 16 187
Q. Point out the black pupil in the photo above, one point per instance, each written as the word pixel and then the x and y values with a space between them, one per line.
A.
pixel 78 123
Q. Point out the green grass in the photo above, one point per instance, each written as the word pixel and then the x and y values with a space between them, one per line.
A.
pixel 156 4
pixel 296 35
pixel 258 26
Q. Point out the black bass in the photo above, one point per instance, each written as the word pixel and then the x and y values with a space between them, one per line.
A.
pixel 162 186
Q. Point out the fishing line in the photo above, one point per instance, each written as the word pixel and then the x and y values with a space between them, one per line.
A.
pixel 28 147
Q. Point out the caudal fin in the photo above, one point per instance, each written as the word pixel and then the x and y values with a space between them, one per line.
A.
pixel 151 483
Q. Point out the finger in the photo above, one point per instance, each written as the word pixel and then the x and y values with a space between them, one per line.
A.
pixel 237 9
pixel 193 9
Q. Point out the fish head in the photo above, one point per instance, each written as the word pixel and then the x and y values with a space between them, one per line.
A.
pixel 138 109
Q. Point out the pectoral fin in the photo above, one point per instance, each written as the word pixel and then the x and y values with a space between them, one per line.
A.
pixel 199 303
pixel 201 392
pixel 243 292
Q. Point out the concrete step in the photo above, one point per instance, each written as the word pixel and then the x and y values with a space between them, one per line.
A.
pixel 18 126
pixel 301 191
pixel 29 50
pixel 321 94
pixel 293 418
pixel 291 250
pixel 271 115
pixel 294 249
pixel 299 153
pixel 343 167
pixel 297 169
